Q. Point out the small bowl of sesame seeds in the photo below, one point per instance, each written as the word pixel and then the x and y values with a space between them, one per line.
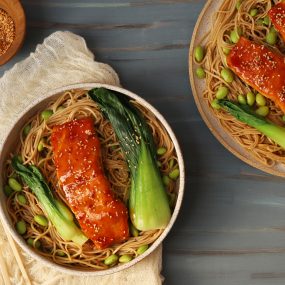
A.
pixel 12 29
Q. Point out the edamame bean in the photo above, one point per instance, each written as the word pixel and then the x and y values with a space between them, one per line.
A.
pixel 21 227
pixel 112 259
pixel 161 151
pixel 41 220
pixel 174 174
pixel 60 108
pixel 7 190
pixel 226 50
pixel 260 100
pixel 41 145
pixel 27 129
pixel 21 199
pixel 271 37
pixel 262 111
pixel 14 184
pixel 253 12
pixel 250 98
pixel 61 253
pixel 125 258
pixel 158 163
pixel 45 115
pixel 215 104
pixel 241 99
pixel 142 249
pixel 234 36
pixel 36 244
pixel 165 180
pixel 266 21
pixel 199 53
pixel 200 72
pixel 171 163
pixel 227 75
pixel 222 92
pixel 134 231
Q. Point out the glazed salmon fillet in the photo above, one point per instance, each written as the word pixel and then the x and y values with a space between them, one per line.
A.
pixel 277 17
pixel 261 68
pixel 77 157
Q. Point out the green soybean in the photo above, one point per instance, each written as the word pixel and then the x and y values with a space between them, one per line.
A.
pixel 142 249
pixel 60 108
pixel 31 242
pixel 250 98
pixel 41 220
pixel 199 53
pixel 200 72
pixel 234 36
pixel 61 253
pixel 165 180
pixel 266 21
pixel 171 163
pixel 241 99
pixel 226 50
pixel 271 37
pixel 158 163
pixel 215 104
pixel 112 259
pixel 260 100
pixel 174 174
pixel 262 111
pixel 7 190
pixel 14 184
pixel 125 258
pixel 45 115
pixel 21 199
pixel 222 92
pixel 134 231
pixel 161 151
pixel 253 12
pixel 227 75
pixel 21 227
pixel 27 129
pixel 41 145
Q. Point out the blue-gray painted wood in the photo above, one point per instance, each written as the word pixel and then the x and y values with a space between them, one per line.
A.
pixel 231 229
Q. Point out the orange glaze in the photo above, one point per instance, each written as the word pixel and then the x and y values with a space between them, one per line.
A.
pixel 261 68
pixel 77 156
pixel 277 17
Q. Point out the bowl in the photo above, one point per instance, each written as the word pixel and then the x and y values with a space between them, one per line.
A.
pixel 11 140
pixel 16 12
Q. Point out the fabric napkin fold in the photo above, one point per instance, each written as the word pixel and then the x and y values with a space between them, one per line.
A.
pixel 62 59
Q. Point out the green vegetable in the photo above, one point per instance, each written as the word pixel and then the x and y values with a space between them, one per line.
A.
pixel 41 145
pixel 33 178
pixel 234 36
pixel 7 190
pixel 174 174
pixel 41 220
pixel 238 4
pixel 222 92
pixel 161 151
pixel 241 99
pixel 134 231
pixel 171 163
pixel 227 75
pixel 21 227
pixel 253 12
pixel 200 72
pixel 283 118
pixel 112 259
pixel 271 37
pixel 46 114
pixel 165 180
pixel 21 199
pixel 27 129
pixel 158 163
pixel 14 184
pixel 266 21
pixel 61 253
pixel 142 249
pixel 247 116
pixel 148 204
pixel 262 111
pixel 199 53
pixel 250 98
pixel 64 210
pixel 60 108
pixel 215 104
pixel 125 258
pixel 226 50
pixel 31 242
pixel 260 100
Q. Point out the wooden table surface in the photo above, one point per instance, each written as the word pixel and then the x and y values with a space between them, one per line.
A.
pixel 231 229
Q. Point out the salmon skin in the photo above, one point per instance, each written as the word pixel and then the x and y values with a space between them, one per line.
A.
pixel 277 17
pixel 261 68
pixel 77 157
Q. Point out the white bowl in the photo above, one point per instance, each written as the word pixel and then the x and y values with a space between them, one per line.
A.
pixel 12 139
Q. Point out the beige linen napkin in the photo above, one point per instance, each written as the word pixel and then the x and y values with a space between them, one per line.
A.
pixel 62 59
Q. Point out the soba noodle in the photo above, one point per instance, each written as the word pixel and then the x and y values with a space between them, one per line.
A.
pixel 74 105
pixel 230 18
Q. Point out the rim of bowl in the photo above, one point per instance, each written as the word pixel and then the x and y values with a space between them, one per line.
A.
pixel 87 86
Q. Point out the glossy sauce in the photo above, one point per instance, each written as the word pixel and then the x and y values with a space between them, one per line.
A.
pixel 277 17
pixel 77 156
pixel 261 68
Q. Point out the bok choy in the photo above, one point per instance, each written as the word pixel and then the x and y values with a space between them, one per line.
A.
pixel 54 209
pixel 148 202
pixel 245 115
